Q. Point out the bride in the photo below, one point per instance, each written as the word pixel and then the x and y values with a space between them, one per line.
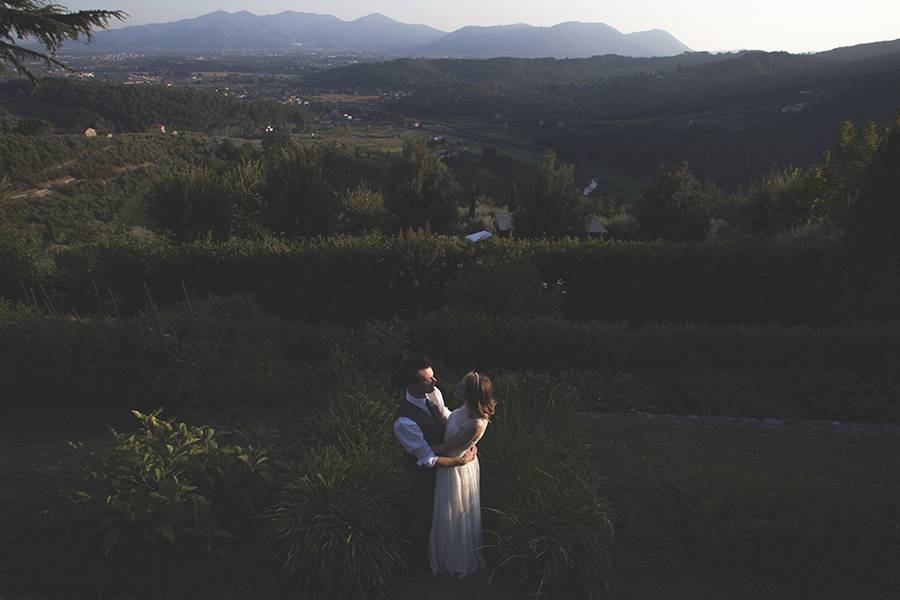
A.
pixel 454 544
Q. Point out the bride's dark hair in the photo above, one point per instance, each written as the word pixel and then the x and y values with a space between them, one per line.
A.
pixel 478 395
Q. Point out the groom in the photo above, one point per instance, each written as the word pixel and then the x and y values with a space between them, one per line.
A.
pixel 421 418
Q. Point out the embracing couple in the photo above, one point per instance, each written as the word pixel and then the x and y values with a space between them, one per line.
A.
pixel 441 461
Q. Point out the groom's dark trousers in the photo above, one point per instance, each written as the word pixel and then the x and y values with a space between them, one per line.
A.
pixel 421 479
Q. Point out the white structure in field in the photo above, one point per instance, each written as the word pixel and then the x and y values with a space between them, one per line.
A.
pixel 477 237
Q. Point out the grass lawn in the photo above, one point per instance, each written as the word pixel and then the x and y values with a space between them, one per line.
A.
pixel 704 511
pixel 739 511
pixel 373 138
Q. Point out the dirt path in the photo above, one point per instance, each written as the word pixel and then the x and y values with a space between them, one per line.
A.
pixel 730 423
pixel 45 188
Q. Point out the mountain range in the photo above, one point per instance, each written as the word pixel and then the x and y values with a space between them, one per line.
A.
pixel 566 40
pixel 246 31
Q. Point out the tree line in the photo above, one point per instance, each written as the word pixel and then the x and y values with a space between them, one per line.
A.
pixel 294 188
pixel 76 105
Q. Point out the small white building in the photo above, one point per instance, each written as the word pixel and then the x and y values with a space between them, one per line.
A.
pixel 90 132
pixel 478 236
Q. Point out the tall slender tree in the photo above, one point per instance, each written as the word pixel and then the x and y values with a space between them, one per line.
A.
pixel 421 190
pixel 676 206
pixel 549 205
pixel 50 25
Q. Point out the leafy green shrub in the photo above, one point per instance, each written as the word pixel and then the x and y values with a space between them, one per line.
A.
pixel 363 210
pixel 192 201
pixel 327 277
pixel 161 485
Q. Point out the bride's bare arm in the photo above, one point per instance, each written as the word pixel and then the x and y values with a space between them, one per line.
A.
pixel 461 439
pixel 457 461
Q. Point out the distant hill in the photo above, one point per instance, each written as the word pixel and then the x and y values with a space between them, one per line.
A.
pixel 566 40
pixel 515 73
pixel 732 116
pixel 863 51
pixel 246 31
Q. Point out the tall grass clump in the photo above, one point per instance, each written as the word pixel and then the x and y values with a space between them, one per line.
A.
pixel 553 536
pixel 549 528
pixel 338 525
pixel 23 261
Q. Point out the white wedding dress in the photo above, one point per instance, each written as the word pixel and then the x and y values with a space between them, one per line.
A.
pixel 455 543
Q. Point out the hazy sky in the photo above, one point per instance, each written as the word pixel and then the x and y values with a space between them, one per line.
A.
pixel 793 25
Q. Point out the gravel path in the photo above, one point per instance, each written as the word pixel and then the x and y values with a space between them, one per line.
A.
pixel 866 429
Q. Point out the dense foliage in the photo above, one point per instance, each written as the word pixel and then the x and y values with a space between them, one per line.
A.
pixel 215 353
pixel 676 206
pixel 75 106
pixel 731 116
pixel 420 191
pixel 744 283
pixel 223 355
pixel 792 269
pixel 549 206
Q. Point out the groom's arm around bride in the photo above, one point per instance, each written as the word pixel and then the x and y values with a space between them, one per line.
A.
pixel 421 420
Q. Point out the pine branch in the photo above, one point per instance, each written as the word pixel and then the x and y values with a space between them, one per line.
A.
pixel 17 55
pixel 50 25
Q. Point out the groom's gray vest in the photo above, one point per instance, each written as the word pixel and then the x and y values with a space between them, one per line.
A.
pixel 421 479
pixel 432 426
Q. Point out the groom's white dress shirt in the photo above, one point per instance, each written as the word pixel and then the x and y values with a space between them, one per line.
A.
pixel 410 436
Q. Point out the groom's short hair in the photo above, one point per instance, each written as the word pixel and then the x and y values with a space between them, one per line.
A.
pixel 409 369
